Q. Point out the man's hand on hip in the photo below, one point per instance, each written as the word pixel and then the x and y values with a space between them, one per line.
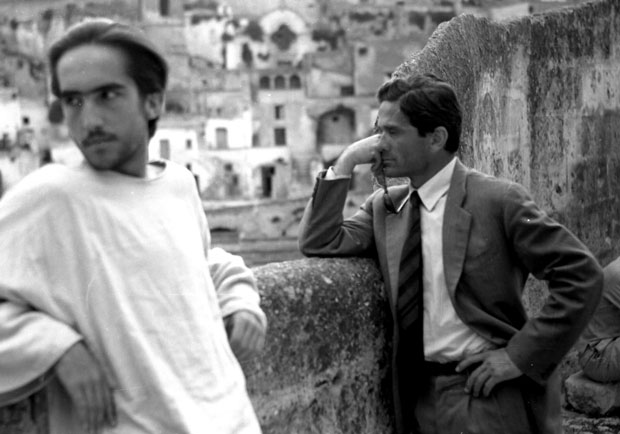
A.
pixel 246 334
pixel 495 367
pixel 85 382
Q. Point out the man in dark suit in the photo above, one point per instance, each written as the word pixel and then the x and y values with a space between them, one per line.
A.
pixel 455 248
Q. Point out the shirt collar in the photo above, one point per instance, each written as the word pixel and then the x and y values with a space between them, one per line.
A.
pixel 435 188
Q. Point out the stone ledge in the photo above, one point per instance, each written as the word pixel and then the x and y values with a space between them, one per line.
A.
pixel 590 397
pixel 577 423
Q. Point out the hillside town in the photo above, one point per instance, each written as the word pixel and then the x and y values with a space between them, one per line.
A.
pixel 262 94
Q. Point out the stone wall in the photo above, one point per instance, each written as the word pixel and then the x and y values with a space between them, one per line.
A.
pixel 541 102
pixel 542 105
pixel 324 368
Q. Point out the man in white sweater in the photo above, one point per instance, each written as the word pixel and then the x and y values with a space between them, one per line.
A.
pixel 108 283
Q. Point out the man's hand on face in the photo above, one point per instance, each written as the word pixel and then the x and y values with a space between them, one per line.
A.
pixel 363 151
pixel 495 367
pixel 84 380
pixel 246 334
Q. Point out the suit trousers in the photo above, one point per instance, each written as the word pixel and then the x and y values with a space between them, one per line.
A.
pixel 445 408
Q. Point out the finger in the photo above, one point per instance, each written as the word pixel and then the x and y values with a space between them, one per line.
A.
pixel 110 407
pixel 473 378
pixel 468 361
pixel 260 342
pixel 255 337
pixel 476 382
pixel 96 407
pixel 489 385
pixel 84 405
pixel 480 382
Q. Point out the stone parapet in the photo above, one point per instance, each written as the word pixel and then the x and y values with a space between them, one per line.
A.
pixel 325 365
pixel 591 397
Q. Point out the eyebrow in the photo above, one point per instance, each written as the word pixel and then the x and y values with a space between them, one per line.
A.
pixel 105 87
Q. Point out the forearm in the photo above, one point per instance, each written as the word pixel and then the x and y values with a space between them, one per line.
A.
pixel 235 284
pixel 323 230
pixel 31 343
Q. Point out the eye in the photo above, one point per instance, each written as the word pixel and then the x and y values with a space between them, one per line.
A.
pixel 109 94
pixel 72 101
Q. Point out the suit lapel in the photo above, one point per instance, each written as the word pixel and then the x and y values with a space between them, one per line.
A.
pixel 456 227
pixel 396 228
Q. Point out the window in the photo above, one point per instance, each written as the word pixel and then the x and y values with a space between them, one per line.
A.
pixel 267 173
pixel 188 144
pixel 362 51
pixel 164 8
pixel 264 82
pixel 278 112
pixel 295 82
pixel 280 83
pixel 280 136
pixel 221 138
pixel 346 90
pixel 164 149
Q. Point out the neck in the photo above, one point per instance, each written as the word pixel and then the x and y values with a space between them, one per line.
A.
pixel 439 163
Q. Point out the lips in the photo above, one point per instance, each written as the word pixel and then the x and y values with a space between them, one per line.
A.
pixel 94 141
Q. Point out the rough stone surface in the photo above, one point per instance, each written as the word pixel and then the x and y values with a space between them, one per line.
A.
pixel 542 107
pixel 590 397
pixel 577 423
pixel 324 369
pixel 25 417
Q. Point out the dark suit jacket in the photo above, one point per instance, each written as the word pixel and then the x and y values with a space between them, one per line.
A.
pixel 494 236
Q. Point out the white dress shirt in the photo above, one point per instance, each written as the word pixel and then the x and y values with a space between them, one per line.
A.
pixel 446 337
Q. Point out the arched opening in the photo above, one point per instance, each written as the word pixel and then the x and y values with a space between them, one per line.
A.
pixel 295 82
pixel 264 82
pixel 280 82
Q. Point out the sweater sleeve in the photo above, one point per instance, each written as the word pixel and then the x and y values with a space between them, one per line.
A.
pixel 32 339
pixel 31 343
pixel 235 284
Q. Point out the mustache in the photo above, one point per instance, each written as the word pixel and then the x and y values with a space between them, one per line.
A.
pixel 97 137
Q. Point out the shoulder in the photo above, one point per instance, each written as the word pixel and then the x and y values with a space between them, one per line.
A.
pixel 180 181
pixel 40 192
pixel 488 187
pixel 178 172
pixel 49 179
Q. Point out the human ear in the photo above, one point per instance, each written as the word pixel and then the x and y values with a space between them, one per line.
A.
pixel 439 138
pixel 153 103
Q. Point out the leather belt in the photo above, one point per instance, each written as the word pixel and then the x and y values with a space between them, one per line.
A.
pixel 436 369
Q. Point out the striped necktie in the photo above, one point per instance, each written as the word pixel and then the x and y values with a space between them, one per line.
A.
pixel 409 301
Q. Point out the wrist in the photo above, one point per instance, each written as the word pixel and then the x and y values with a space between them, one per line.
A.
pixel 343 167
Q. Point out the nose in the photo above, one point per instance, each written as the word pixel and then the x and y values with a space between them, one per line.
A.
pixel 382 144
pixel 91 115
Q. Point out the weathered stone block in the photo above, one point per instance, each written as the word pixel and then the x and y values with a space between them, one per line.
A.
pixel 590 397
pixel 325 365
